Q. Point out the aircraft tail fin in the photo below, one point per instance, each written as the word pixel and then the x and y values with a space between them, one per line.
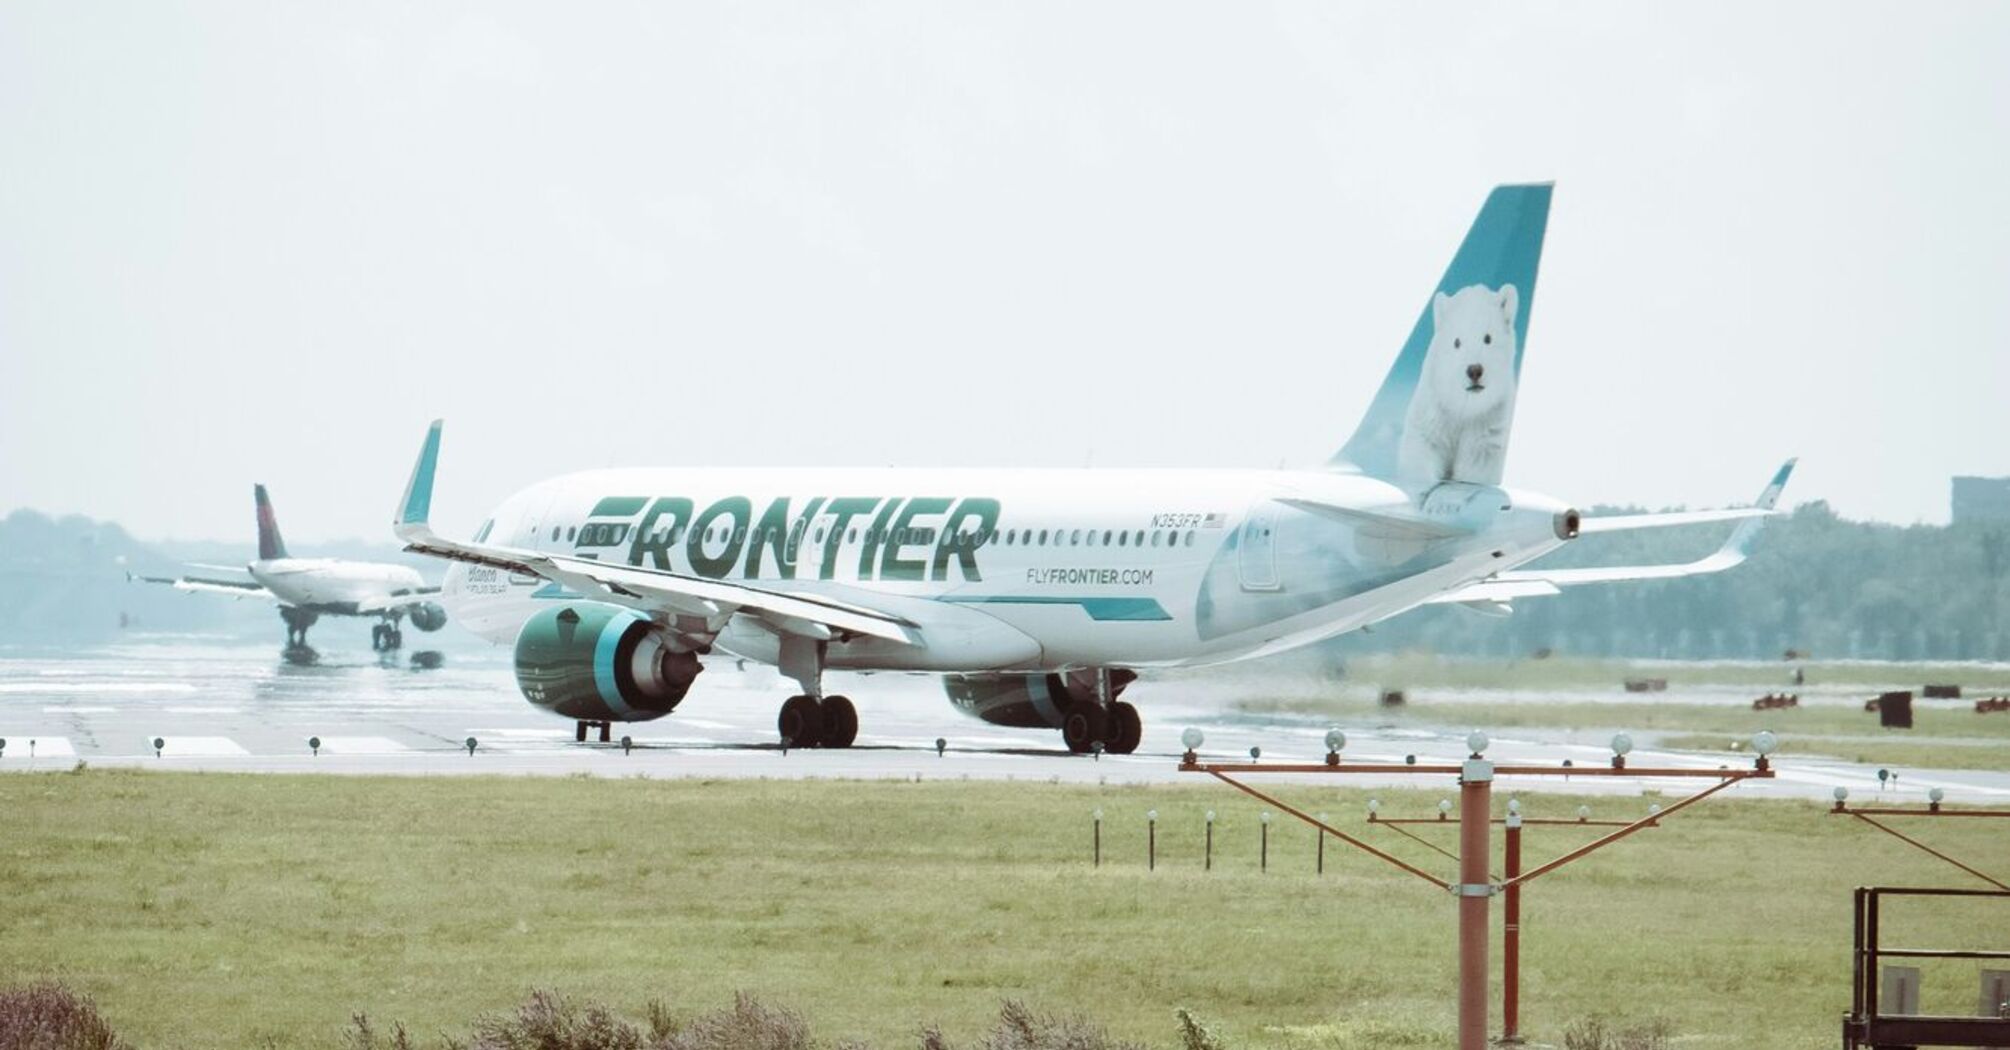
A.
pixel 270 545
pixel 1445 410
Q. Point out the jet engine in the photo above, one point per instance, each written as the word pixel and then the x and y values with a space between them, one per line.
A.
pixel 1036 701
pixel 428 616
pixel 600 663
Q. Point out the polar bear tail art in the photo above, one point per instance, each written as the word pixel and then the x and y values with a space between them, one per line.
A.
pixel 1445 410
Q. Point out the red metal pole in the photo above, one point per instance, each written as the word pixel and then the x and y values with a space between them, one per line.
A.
pixel 1511 939
pixel 1475 813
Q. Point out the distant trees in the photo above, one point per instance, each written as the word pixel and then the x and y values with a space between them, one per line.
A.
pixel 1816 583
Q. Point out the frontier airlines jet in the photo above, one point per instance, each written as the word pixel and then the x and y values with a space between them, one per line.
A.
pixel 1041 595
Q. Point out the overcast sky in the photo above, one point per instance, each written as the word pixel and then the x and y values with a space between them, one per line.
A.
pixel 268 242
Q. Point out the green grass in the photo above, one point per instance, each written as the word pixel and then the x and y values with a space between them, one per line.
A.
pixel 252 911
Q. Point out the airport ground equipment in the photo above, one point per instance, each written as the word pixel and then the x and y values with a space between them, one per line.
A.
pixel 1876 1023
pixel 1475 886
pixel 1512 826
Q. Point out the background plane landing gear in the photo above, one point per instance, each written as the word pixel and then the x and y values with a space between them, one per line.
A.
pixel 806 721
pixel 579 729
pixel 386 638
pixel 297 622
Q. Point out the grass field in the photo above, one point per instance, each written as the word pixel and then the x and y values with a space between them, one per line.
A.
pixel 253 911
pixel 1455 693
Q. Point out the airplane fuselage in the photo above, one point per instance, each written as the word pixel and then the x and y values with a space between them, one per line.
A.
pixel 1022 570
pixel 328 585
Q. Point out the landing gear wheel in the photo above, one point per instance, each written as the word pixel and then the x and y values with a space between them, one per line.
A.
pixel 801 723
pixel 606 728
pixel 377 639
pixel 840 722
pixel 579 732
pixel 1085 725
pixel 394 639
pixel 1126 729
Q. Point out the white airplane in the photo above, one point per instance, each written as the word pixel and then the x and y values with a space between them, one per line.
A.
pixel 305 589
pixel 1042 594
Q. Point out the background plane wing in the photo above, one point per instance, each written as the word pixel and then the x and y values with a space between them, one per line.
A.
pixel 1533 583
pixel 405 599
pixel 642 589
pixel 195 584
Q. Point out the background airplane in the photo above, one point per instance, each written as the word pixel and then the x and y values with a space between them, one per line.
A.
pixel 1040 595
pixel 305 589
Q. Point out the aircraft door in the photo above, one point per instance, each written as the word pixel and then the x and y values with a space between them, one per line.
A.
pixel 1257 561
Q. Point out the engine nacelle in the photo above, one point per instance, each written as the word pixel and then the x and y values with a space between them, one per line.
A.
pixel 600 663
pixel 1028 700
pixel 428 616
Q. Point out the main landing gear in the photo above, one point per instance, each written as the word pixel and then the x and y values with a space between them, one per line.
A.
pixel 806 721
pixel 811 719
pixel 386 638
pixel 297 623
pixel 580 728
pixel 1117 727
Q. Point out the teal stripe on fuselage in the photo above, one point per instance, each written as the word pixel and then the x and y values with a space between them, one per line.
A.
pixel 1105 609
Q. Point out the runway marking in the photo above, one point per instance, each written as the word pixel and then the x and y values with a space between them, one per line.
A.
pixel 21 747
pixel 204 746
pixel 203 710
pixel 96 687
pixel 362 745
pixel 80 709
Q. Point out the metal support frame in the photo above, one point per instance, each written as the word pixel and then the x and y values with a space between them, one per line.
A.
pixel 1513 824
pixel 1866 1026
pixel 1475 886
pixel 1865 813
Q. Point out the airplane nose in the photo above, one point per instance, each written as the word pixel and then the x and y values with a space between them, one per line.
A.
pixel 1474 372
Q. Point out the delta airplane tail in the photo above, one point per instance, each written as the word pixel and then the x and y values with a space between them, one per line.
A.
pixel 1447 406
pixel 270 546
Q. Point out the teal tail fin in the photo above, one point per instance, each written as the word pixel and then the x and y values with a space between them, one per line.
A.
pixel 1445 411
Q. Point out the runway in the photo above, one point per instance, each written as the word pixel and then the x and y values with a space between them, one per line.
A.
pixel 224 704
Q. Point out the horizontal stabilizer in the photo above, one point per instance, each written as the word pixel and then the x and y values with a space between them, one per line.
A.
pixel 1396 521
pixel 1534 583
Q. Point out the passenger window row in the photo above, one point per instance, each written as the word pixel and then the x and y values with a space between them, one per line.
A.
pixel 607 535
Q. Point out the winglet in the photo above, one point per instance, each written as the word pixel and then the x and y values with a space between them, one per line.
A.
pixel 1739 543
pixel 413 519
pixel 1770 496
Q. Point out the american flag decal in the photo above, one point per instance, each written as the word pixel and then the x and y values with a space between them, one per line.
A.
pixel 1214 521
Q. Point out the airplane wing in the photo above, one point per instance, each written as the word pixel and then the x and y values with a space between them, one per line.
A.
pixel 197 584
pixel 390 602
pixel 1534 583
pixel 650 591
